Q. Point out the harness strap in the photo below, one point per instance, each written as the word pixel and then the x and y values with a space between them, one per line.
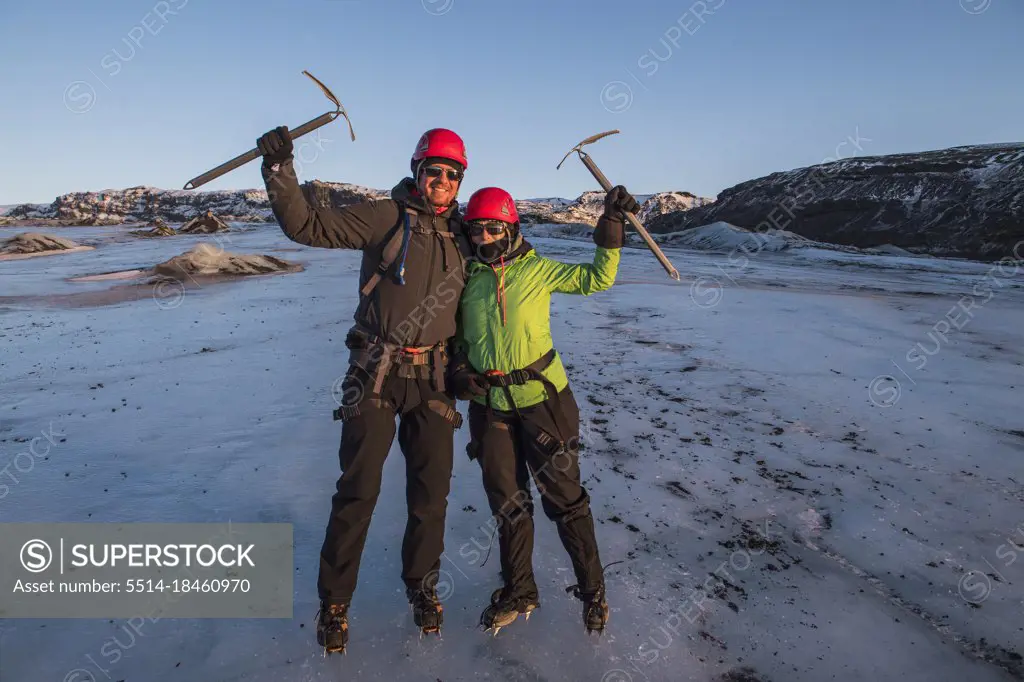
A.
pixel 449 414
pixel 346 412
pixel 518 377
pixel 373 348
pixel 388 256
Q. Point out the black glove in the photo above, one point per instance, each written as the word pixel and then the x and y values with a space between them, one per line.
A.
pixel 468 384
pixel 611 228
pixel 617 201
pixel 275 146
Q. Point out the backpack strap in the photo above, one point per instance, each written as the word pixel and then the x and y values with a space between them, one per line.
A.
pixel 397 245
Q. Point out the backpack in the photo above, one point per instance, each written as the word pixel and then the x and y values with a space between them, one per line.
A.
pixel 397 246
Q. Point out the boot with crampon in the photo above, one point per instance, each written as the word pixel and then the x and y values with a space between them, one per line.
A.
pixel 507 605
pixel 595 608
pixel 427 611
pixel 332 627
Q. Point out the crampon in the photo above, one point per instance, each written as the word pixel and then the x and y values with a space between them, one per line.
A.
pixel 505 608
pixel 332 628
pixel 595 608
pixel 427 611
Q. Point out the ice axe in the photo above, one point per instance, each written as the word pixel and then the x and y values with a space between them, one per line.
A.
pixel 599 176
pixel 303 129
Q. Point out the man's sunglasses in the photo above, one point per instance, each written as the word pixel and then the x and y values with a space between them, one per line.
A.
pixel 435 172
pixel 495 228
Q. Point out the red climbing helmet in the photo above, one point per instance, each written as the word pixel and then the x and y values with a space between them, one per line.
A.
pixel 441 143
pixel 492 203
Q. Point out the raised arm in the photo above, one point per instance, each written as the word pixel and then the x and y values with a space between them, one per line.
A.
pixel 352 227
pixel 610 235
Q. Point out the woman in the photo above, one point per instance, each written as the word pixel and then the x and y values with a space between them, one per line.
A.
pixel 523 418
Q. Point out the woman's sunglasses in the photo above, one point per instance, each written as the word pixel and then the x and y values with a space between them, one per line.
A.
pixel 435 172
pixel 495 228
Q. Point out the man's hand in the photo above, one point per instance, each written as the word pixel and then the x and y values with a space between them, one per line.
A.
pixel 468 384
pixel 275 146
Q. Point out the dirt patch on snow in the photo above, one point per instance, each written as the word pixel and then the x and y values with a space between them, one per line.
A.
pixel 207 223
pixel 33 244
pixel 166 283
pixel 206 260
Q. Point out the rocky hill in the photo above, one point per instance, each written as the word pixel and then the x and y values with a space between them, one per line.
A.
pixel 146 204
pixel 587 208
pixel 963 202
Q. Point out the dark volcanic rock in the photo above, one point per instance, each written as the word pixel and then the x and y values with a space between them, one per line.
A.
pixel 337 194
pixel 145 204
pixel 207 223
pixel 207 260
pixel 963 202
pixel 35 243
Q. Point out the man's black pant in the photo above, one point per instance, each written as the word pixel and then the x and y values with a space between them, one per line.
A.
pixel 509 451
pixel 426 439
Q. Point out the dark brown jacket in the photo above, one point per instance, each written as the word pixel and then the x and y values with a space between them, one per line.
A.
pixel 422 311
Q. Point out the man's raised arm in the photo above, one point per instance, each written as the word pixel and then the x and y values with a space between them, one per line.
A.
pixel 350 228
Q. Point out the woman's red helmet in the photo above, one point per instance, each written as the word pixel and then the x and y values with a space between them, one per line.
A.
pixel 492 203
pixel 441 143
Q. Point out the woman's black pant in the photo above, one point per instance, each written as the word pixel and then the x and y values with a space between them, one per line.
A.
pixel 510 451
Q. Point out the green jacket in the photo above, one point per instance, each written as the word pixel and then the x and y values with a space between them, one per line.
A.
pixel 525 335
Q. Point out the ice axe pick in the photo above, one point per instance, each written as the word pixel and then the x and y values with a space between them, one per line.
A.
pixel 303 129
pixel 599 176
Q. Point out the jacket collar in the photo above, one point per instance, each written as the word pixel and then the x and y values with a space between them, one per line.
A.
pixel 524 250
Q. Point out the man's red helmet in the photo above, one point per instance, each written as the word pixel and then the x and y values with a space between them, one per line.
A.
pixel 492 203
pixel 441 143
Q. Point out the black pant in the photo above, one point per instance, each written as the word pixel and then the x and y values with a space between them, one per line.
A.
pixel 509 451
pixel 426 440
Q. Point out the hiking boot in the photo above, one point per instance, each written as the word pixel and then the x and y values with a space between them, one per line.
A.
pixel 332 627
pixel 595 608
pixel 505 607
pixel 427 611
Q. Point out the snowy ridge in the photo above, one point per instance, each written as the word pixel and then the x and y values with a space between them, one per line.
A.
pixel 144 204
pixel 963 202
pixel 587 208
pixel 720 237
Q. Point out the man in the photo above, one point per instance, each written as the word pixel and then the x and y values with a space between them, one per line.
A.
pixel 411 278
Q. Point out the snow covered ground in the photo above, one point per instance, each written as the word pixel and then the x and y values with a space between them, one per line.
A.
pixel 810 465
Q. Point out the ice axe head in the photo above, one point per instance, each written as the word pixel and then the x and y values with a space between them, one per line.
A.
pixel 330 95
pixel 579 148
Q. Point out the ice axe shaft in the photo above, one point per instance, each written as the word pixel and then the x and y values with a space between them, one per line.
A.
pixel 607 186
pixel 253 154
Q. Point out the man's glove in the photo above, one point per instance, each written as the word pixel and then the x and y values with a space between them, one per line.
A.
pixel 467 384
pixel 275 146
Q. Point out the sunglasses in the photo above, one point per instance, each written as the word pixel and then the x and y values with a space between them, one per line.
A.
pixel 495 228
pixel 436 171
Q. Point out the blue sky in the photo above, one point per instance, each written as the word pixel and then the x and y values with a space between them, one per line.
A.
pixel 707 94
